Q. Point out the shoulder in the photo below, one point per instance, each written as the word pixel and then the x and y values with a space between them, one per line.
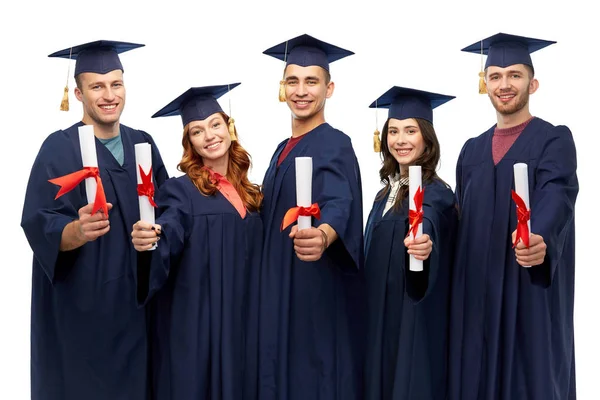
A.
pixel 439 194
pixel 136 135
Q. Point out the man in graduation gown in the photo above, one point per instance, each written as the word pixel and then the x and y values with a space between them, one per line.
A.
pixel 512 308
pixel 204 274
pixel 88 337
pixel 312 290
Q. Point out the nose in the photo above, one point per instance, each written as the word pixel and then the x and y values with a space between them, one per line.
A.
pixel 504 82
pixel 209 135
pixel 108 94
pixel 301 89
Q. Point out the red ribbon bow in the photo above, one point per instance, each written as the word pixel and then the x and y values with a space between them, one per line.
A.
pixel 146 188
pixel 70 181
pixel 293 213
pixel 523 215
pixel 415 217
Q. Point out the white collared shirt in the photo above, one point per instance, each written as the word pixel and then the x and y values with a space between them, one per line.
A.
pixel 396 183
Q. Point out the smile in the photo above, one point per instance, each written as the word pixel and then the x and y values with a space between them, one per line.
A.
pixel 403 152
pixel 212 146
pixel 108 107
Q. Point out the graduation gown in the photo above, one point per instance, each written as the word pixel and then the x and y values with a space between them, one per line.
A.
pixel 88 337
pixel 407 334
pixel 204 285
pixel 512 327
pixel 312 314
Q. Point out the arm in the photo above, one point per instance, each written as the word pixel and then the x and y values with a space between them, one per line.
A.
pixel 552 203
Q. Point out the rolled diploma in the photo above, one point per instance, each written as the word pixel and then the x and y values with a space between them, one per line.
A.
pixel 414 182
pixel 522 188
pixel 143 157
pixel 87 143
pixel 304 188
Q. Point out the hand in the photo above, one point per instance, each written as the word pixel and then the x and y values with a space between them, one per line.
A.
pixel 90 227
pixel 309 244
pixel 420 247
pixel 145 235
pixel 534 255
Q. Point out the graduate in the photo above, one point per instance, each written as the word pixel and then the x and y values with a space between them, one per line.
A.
pixel 408 310
pixel 512 304
pixel 204 272
pixel 88 337
pixel 312 288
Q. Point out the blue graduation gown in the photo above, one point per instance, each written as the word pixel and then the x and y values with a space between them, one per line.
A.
pixel 512 327
pixel 407 334
pixel 204 284
pixel 88 337
pixel 312 314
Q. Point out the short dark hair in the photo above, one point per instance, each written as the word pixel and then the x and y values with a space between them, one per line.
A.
pixel 325 72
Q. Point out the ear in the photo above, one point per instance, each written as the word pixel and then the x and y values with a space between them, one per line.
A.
pixel 533 86
pixel 330 89
pixel 78 93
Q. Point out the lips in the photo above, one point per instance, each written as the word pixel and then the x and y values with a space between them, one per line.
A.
pixel 403 152
pixel 212 146
pixel 108 107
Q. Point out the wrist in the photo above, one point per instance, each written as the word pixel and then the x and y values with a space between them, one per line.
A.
pixel 325 240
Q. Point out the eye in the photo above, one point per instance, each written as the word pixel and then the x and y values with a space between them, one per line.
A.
pixel 292 82
pixel 95 87
pixel 392 132
pixel 216 125
pixel 412 131
pixel 117 85
pixel 312 82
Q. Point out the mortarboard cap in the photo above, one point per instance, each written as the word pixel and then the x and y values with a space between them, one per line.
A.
pixel 196 104
pixel 306 50
pixel 101 56
pixel 406 103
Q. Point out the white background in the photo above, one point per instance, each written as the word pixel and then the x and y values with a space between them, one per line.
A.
pixel 414 44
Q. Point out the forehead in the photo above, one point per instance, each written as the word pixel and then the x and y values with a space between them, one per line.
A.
pixel 206 121
pixel 402 123
pixel 111 76
pixel 492 69
pixel 302 72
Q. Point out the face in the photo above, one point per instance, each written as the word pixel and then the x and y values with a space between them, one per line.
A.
pixel 405 141
pixel 509 88
pixel 211 140
pixel 102 95
pixel 306 91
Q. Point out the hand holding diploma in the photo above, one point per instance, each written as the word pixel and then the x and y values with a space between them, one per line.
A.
pixel 415 217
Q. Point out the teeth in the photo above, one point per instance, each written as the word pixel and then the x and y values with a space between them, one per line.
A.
pixel 403 152
pixel 212 146
pixel 109 107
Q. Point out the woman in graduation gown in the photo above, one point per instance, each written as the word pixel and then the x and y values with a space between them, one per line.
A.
pixel 408 310
pixel 203 273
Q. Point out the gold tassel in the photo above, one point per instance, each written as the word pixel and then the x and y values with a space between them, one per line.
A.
pixel 482 85
pixel 376 142
pixel 282 91
pixel 64 104
pixel 231 127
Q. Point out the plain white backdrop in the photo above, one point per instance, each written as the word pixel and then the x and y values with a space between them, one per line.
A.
pixel 206 43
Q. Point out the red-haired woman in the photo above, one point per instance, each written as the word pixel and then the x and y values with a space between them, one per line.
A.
pixel 203 275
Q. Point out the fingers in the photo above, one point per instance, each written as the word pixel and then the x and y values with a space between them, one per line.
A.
pixel 419 247
pixel 293 231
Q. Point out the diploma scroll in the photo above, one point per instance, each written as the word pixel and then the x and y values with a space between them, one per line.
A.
pixel 415 184
pixel 304 171
pixel 87 143
pixel 522 188
pixel 143 159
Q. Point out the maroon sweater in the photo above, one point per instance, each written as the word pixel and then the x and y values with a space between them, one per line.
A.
pixel 504 138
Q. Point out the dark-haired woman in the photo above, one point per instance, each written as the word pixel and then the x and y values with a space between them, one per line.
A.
pixel 408 310
pixel 203 276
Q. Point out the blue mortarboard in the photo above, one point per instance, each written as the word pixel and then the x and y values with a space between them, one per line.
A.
pixel 306 50
pixel 196 104
pixel 504 50
pixel 101 56
pixel 406 103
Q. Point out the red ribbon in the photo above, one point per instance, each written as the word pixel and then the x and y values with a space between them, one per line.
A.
pixel 146 188
pixel 415 217
pixel 523 215
pixel 70 181
pixel 293 213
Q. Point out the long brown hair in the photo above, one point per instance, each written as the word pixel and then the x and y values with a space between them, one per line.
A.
pixel 237 171
pixel 428 161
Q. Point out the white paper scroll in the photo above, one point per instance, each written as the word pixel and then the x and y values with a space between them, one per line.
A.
pixel 522 188
pixel 143 158
pixel 304 168
pixel 87 143
pixel 414 182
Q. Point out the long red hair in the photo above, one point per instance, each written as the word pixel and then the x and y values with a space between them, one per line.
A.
pixel 237 171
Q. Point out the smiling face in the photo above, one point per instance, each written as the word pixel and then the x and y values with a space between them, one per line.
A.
pixel 405 141
pixel 306 89
pixel 102 96
pixel 509 88
pixel 210 138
